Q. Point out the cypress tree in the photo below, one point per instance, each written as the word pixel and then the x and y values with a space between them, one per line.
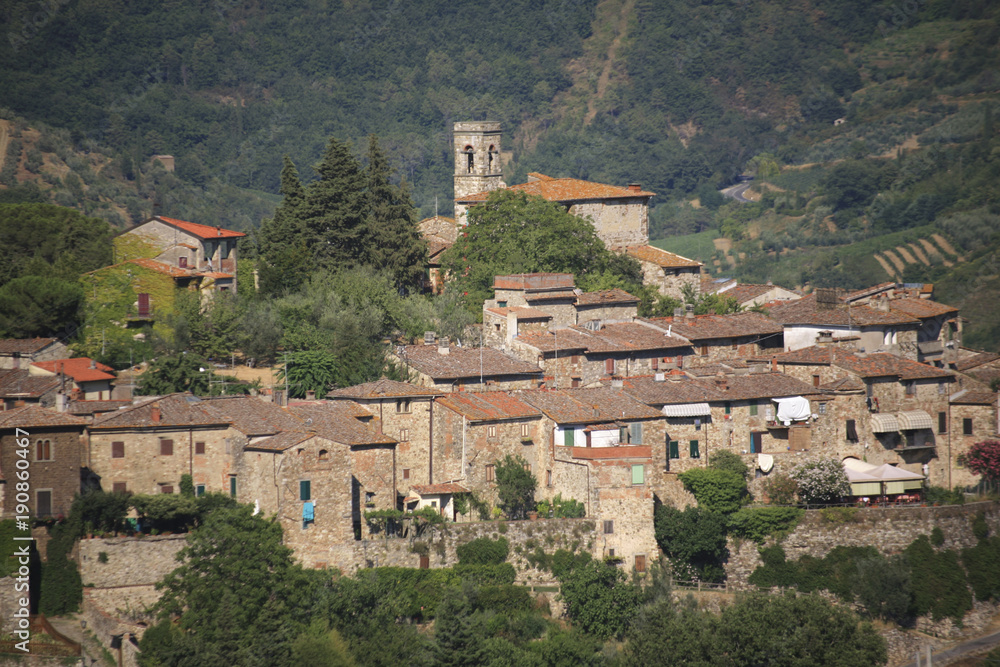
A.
pixel 283 238
pixel 392 240
pixel 334 210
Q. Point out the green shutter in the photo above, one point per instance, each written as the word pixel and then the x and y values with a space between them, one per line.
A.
pixel 675 450
pixel 694 450
pixel 729 407
pixel 305 489
pixel 232 485
pixel 635 433
pixel 753 409
pixel 638 474
pixel 569 437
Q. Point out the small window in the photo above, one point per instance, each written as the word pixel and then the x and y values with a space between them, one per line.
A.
pixel 941 386
pixel 491 431
pixel 403 406
pixel 942 422
pixel 911 388
pixel 697 424
pixel 166 447
pixel 404 434
pixel 735 346
pixel 43 450
pixel 490 473
pixel 609 366
pixel 753 409
pixel 611 553
pixel 815 379
pixel 569 437
pixel 609 527
pixel 852 430
pixel 703 350
pixel 729 408
pixel 199 448
pixel 43 503
pixel 406 473
pixel 635 433
pixel 694 448
pixel 654 363
pixel 575 383
pixel 822 408
pixel 434 504
pixel 675 452
pixel 638 474
pixel 967 426
pixel 525 430
pixel 232 485
pixel 182 262
pixel 575 359
pixel 119 487
pixel 501 304
pixel 548 478
pixel 226 247
pixel 305 489
pixel 324 455
pixel 199 490
pixel 118 449
pixel 640 563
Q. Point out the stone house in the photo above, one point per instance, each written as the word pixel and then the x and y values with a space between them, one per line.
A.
pixel 407 413
pixel 85 379
pixel 978 366
pixel 54 456
pixel 477 430
pixel 940 333
pixel 582 356
pixel 320 480
pixel 972 418
pixel 824 315
pixel 720 337
pixel 146 448
pixel 184 245
pixel 552 293
pixel 18 388
pixel 20 352
pixel 749 295
pixel 668 271
pixel 440 233
pixel 449 368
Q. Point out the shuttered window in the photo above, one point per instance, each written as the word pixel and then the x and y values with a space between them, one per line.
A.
pixel 232 485
pixel 199 448
pixel 166 447
pixel 569 438
pixel 609 366
pixel 852 430
pixel 695 452
pixel 638 474
pixel 675 452
pixel 305 489
pixel 640 563
pixel 118 449
pixel 635 433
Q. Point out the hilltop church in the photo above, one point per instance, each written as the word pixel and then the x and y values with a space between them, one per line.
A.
pixel 620 215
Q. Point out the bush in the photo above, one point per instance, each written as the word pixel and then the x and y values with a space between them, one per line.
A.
pixel 982 562
pixel 939 495
pixel 100 512
pixel 937 536
pixel 882 587
pixel 780 489
pixel 939 583
pixel 562 509
pixel 821 482
pixel 483 551
pixel 515 486
pixel 487 575
pixel 758 523
pixel 599 599
pixel 716 490
pixel 505 599
pixel 564 561
pixel 726 460
pixel 166 512
pixel 694 540
pixel 980 529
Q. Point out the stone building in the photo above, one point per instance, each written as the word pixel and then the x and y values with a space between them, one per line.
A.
pixel 748 295
pixel 81 378
pixel 406 413
pixel 720 337
pixel 54 456
pixel 939 336
pixel 20 352
pixel 448 368
pixel 440 233
pixel 668 271
pixel 18 388
pixel 478 164
pixel 824 315
pixel 972 418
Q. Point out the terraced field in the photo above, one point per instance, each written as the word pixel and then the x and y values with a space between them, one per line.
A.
pixel 931 250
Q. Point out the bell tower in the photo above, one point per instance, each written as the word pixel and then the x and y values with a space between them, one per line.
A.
pixel 477 158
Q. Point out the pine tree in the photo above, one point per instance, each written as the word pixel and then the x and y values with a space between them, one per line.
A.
pixel 283 239
pixel 334 209
pixel 392 240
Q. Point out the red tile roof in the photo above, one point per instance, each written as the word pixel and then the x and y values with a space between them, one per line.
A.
pixel 562 340
pixel 757 386
pixel 869 291
pixel 708 327
pixel 24 346
pixel 976 360
pixel 848 383
pixel 814 355
pixel 588 406
pixel 250 415
pixel 384 388
pixel 610 338
pixel 534 281
pixel 95 407
pixel 660 257
pixel 922 308
pixel 604 297
pixel 974 398
pixel 673 389
pixel 465 362
pixel 78 368
pixel 34 416
pixel 182 409
pixel 564 190
pixel 19 383
pixel 883 364
pixel 521 313
pixel 280 442
pixel 488 406
pixel 201 231
pixel 338 421
pixel 807 311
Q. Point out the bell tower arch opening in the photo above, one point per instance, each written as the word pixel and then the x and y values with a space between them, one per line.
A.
pixel 478 167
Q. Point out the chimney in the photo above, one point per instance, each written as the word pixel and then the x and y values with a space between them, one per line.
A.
pixel 154 414
pixel 678 312
pixel 617 383
pixel 860 352
pixel 443 347
pixel 883 304
pixel 61 402
pixel 826 298
pixel 659 377
pixel 720 381
pixel 689 311
pixel 430 337
pixel 774 364
pixel 824 338
pixel 310 395
pixel 634 187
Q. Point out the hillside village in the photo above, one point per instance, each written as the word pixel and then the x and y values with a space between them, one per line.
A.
pixel 599 404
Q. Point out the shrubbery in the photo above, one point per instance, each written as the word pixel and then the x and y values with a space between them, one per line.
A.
pixel 483 551
pixel 821 482
pixel 694 540
pixel 716 490
pixel 757 523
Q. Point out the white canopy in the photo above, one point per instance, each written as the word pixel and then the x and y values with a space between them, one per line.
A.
pixel 793 409
pixel 687 410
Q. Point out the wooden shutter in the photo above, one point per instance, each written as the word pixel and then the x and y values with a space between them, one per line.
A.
pixel 695 452
pixel 675 452
pixel 232 485
pixel 942 422
pixel 635 433
pixel 852 430
pixel 638 474
pixel 199 448
pixel 166 447
pixel 640 563
pixel 569 437
pixel 756 442
pixel 143 304
pixel 44 503
pixel 119 487
pixel 118 449
pixel 609 366
pixel 305 489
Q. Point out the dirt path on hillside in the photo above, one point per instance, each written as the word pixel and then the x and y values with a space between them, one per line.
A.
pixel 905 254
pixel 885 265
pixel 268 376
pixel 918 252
pixel 896 261
pixel 4 138
pixel 602 81
pixel 947 247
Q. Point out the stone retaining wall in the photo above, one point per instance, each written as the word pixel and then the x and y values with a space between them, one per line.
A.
pixel 131 561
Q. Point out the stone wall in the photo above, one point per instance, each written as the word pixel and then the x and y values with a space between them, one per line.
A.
pixel 618 222
pixel 131 561
pixel 60 475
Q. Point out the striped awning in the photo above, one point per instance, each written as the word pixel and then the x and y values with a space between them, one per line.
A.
pixel 687 410
pixel 913 420
pixel 884 423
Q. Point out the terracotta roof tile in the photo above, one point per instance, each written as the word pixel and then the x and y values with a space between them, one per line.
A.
pixel 465 362
pixel 24 346
pixel 759 385
pixel 522 313
pixel 882 364
pixel 660 257
pixel 160 267
pixel 201 231
pixel 95 407
pixel 78 368
pixel 603 297
pixel 338 421
pixel 281 441
pixel 976 360
pixel 974 398
pixel 250 415
pixel 384 388
pixel 673 389
pixel 727 367
pixel 564 190
pixel 182 409
pixel 34 416
pixel 534 281
pixel 709 327
pixel 19 383
pixel 744 292
pixel 610 338
pixel 847 383
pixel 806 311
pixel 922 308
pixel 563 340
pixel 985 375
pixel 814 355
pixel 488 406
pixel 869 291
pixel 588 406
